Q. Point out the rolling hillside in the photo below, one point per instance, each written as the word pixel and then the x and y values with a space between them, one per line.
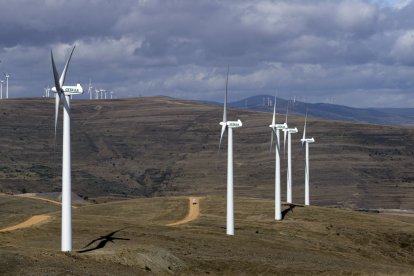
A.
pixel 383 116
pixel 157 146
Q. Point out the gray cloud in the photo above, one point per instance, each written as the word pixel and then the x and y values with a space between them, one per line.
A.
pixel 360 52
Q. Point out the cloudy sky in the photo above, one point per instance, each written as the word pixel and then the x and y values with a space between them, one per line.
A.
pixel 358 53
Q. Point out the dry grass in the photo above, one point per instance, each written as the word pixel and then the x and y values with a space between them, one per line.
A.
pixel 156 146
pixel 311 240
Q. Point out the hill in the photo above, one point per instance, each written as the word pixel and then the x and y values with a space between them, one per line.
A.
pixel 131 237
pixel 157 146
pixel 383 116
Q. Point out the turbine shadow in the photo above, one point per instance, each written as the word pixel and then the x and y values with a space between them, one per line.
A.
pixel 103 241
pixel 289 209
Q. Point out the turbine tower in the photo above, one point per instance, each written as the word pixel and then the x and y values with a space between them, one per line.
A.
pixel 289 132
pixel 90 90
pixel 64 92
pixel 7 84
pixel 276 131
pixel 1 91
pixel 229 125
pixel 307 141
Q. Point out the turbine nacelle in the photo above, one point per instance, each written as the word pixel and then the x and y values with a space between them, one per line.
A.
pixel 307 140
pixel 279 126
pixel 70 90
pixel 232 124
pixel 291 130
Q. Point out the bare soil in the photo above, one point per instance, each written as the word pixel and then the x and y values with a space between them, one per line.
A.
pixel 193 212
pixel 28 223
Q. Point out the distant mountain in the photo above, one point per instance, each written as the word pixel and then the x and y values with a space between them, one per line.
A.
pixel 382 116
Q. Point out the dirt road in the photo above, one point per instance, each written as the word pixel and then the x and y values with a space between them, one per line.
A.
pixel 193 213
pixel 30 222
pixel 32 196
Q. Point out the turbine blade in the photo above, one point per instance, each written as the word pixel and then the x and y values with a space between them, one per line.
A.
pixel 63 76
pixel 225 96
pixel 223 129
pixel 65 103
pixel 274 113
pixel 287 108
pixel 304 128
pixel 277 142
pixel 271 140
pixel 57 98
pixel 55 74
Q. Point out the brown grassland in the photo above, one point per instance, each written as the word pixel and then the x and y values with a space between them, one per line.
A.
pixel 131 237
pixel 136 161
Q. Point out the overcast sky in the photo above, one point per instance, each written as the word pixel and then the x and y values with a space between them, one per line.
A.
pixel 360 53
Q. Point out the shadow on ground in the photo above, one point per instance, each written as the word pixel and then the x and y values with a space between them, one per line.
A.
pixel 103 241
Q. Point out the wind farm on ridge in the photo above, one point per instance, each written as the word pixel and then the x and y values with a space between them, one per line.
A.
pixel 97 182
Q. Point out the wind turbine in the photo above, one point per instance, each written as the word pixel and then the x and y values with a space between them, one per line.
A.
pixel 289 132
pixel 64 92
pixel 1 93
pixel 96 94
pixel 90 90
pixel 7 84
pixel 307 141
pixel 229 125
pixel 112 92
pixel 276 131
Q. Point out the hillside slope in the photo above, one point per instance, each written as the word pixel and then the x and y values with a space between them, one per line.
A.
pixel 131 237
pixel 156 146
pixel 326 111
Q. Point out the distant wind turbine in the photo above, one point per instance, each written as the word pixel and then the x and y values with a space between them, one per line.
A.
pixel 289 132
pixel 276 131
pixel 1 93
pixel 7 84
pixel 64 92
pixel 229 125
pixel 90 89
pixel 307 141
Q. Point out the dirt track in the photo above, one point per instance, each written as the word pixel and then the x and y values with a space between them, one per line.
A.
pixel 30 222
pixel 44 199
pixel 193 213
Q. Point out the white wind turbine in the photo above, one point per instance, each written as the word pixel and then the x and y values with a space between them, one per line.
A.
pixel 64 92
pixel 1 91
pixel 229 125
pixel 307 141
pixel 276 131
pixel 90 89
pixel 7 84
pixel 289 132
